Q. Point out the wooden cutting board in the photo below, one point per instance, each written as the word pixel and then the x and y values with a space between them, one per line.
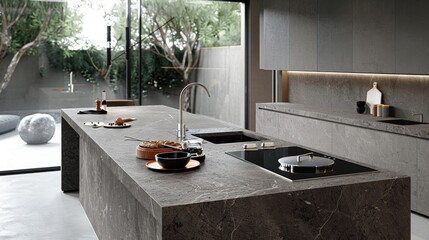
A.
pixel 373 96
pixel 149 153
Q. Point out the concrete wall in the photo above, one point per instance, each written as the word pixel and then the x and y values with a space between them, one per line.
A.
pixel 221 70
pixel 30 90
pixel 230 104
pixel 18 92
pixel 406 94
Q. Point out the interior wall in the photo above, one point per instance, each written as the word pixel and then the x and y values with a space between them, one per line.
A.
pixel 259 81
pixel 406 94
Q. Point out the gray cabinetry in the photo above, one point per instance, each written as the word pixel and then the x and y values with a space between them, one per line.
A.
pixel 412 36
pixel 374 36
pixel 377 36
pixel 390 151
pixel 289 34
pixel 335 38
pixel 303 34
pixel 275 34
pixel 423 175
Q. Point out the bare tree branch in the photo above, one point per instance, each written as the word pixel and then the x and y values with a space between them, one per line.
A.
pixel 17 15
pixel 18 55
pixel 6 26
pixel 4 37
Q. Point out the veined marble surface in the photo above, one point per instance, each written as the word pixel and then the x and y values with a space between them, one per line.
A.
pixel 354 119
pixel 225 197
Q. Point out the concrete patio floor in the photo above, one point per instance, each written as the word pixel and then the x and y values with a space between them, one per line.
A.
pixel 32 206
pixel 17 154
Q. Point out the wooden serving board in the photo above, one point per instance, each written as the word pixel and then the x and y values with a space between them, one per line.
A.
pixel 149 153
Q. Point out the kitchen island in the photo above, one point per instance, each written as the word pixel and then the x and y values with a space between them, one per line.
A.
pixel 360 137
pixel 225 198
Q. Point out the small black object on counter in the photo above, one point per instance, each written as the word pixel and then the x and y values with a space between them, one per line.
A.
pixel 360 106
pixel 92 112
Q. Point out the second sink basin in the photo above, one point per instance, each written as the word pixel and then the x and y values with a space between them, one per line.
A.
pixel 228 137
pixel 401 122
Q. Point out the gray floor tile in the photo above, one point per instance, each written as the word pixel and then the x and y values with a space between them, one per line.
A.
pixel 32 206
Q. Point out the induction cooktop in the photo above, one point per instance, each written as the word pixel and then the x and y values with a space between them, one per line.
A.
pixel 268 159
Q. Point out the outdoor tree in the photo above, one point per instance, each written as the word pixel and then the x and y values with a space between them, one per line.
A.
pixel 26 24
pixel 189 26
pixel 112 14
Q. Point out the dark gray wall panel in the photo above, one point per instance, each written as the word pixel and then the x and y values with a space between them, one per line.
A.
pixel 374 36
pixel 412 36
pixel 303 34
pixel 275 43
pixel 335 42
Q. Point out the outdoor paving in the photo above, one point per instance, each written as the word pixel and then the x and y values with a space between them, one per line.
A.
pixel 32 206
pixel 16 154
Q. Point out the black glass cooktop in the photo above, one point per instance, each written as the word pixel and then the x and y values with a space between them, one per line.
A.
pixel 268 159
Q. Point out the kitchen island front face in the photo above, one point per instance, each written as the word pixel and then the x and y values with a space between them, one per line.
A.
pixel 361 137
pixel 223 198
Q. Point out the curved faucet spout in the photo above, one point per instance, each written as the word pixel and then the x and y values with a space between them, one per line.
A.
pixel 181 128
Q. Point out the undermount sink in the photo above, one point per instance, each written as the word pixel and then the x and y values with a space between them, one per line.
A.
pixel 401 122
pixel 228 137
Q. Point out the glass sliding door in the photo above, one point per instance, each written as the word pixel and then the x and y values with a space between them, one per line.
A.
pixel 53 56
pixel 187 41
pixel 64 53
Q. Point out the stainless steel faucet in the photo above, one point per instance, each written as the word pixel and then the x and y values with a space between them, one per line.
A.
pixel 420 116
pixel 181 128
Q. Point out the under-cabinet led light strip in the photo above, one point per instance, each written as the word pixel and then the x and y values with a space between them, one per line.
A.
pixel 363 74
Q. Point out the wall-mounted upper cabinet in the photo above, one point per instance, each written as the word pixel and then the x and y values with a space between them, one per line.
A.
pixel 288 34
pixel 335 38
pixel 412 36
pixel 374 36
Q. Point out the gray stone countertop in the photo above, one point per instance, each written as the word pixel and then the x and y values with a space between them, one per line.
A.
pixel 353 119
pixel 219 177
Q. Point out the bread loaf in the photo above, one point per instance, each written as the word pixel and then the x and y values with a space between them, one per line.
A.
pixel 159 144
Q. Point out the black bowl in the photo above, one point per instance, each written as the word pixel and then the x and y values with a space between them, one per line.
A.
pixel 173 160
pixel 360 103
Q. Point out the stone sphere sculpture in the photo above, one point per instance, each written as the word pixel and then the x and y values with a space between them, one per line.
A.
pixel 38 128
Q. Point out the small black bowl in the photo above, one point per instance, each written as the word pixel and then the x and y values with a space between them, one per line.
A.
pixel 360 106
pixel 173 160
pixel 360 103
